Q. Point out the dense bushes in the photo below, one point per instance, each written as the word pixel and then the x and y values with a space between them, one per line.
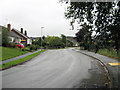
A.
pixel 28 48
pixel 34 47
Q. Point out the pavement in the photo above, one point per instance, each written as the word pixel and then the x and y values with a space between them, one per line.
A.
pixel 18 57
pixel 114 71
pixel 61 68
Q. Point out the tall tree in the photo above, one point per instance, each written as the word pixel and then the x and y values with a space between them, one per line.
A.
pixel 102 22
pixel 104 18
pixel 84 36
pixel 115 26
pixel 80 12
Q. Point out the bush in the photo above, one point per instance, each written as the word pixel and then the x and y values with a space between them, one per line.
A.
pixel 31 47
pixel 38 47
pixel 34 47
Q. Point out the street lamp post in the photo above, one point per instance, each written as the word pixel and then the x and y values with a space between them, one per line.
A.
pixel 41 36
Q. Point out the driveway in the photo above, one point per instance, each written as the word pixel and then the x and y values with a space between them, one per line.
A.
pixel 62 68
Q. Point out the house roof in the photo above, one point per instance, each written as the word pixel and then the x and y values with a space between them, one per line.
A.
pixel 13 34
pixel 20 33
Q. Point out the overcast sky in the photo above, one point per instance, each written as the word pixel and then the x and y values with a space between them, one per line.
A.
pixel 31 15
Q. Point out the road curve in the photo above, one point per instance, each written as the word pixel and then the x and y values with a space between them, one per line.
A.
pixel 63 68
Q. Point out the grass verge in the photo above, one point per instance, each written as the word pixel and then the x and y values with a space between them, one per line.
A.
pixel 109 53
pixel 8 53
pixel 19 61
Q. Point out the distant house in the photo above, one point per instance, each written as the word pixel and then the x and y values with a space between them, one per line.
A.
pixel 35 38
pixel 73 40
pixel 18 36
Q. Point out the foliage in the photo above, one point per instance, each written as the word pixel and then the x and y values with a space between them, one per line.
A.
pixel 54 42
pixel 38 42
pixel 5 39
pixel 8 53
pixel 79 11
pixel 34 47
pixel 84 36
pixel 34 42
pixel 102 17
pixel 115 27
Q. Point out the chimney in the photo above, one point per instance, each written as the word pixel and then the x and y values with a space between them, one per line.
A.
pixel 22 30
pixel 9 27
pixel 25 32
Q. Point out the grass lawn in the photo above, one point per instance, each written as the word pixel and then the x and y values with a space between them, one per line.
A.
pixel 8 53
pixel 111 53
pixel 19 61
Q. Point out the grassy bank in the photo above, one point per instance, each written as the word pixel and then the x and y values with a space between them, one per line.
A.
pixel 19 61
pixel 109 53
pixel 8 53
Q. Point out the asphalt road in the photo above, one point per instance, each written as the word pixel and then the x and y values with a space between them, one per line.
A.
pixel 62 68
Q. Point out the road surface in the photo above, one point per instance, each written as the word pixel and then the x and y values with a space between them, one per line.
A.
pixel 62 68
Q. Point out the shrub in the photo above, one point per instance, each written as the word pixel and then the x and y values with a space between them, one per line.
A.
pixel 38 47
pixel 31 47
pixel 34 47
